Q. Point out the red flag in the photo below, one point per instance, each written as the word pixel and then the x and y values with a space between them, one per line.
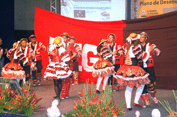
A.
pixel 87 33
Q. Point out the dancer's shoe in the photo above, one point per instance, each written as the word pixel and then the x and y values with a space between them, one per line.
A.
pixel 129 109
pixel 138 105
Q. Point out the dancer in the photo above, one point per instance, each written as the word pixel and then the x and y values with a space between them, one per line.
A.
pixel 103 67
pixel 149 68
pixel 57 69
pixel 26 53
pixel 73 47
pixel 117 52
pixel 131 74
pixel 13 70
pixel 67 81
pixel 37 47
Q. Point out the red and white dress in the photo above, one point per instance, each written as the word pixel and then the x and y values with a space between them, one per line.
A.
pixel 131 74
pixel 13 70
pixel 57 68
pixel 103 67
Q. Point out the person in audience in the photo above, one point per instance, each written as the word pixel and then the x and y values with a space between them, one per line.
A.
pixel 3 51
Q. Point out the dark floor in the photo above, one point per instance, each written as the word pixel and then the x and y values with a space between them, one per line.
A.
pixel 46 92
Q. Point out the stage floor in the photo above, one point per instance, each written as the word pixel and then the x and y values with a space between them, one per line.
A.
pixel 46 92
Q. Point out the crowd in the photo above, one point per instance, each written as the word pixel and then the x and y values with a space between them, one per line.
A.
pixel 137 70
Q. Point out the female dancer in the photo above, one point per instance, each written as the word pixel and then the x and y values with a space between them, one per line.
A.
pixel 103 67
pixel 26 56
pixel 13 70
pixel 57 68
pixel 131 74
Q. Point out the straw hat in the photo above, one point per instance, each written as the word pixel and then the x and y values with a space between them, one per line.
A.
pixel 65 34
pixel 57 40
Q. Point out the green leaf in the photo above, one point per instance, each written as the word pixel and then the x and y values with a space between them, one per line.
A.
pixel 95 109
pixel 1 110
pixel 14 110
pixel 1 104
pixel 7 105
pixel 28 111
pixel 174 95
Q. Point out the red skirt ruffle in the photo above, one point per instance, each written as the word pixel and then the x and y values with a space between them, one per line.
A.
pixel 132 76
pixel 14 66
pixel 102 67
pixel 13 71
pixel 57 71
pixel 101 64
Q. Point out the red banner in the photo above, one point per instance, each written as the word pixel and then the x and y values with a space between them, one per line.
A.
pixel 87 33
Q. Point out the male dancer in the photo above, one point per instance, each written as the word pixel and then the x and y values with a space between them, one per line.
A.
pixel 73 47
pixel 37 47
pixel 149 68
pixel 66 81
pixel 117 52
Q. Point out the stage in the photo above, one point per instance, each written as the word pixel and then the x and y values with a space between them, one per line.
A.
pixel 46 92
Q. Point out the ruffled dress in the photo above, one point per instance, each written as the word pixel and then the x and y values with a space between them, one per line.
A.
pixel 103 67
pixel 131 74
pixel 57 68
pixel 13 71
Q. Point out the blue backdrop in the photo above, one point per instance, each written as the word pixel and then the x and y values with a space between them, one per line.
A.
pixel 7 23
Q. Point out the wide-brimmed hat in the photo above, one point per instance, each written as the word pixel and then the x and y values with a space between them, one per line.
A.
pixel 32 36
pixel 57 40
pixel 14 44
pixel 65 34
pixel 103 40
